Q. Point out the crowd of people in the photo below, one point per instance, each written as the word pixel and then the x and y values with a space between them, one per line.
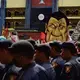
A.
pixel 27 60
pixel 56 58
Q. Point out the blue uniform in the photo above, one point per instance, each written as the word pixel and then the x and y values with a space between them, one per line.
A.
pixel 50 70
pixel 71 70
pixel 58 60
pixel 9 71
pixel 58 64
pixel 2 66
pixel 33 72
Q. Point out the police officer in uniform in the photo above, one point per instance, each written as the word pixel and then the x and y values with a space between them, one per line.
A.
pixel 42 58
pixel 7 59
pixel 32 41
pixel 23 53
pixel 71 67
pixel 56 60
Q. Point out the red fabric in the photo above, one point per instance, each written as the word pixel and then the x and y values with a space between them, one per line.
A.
pixel 6 29
pixel 42 36
pixel 35 3
pixel 5 32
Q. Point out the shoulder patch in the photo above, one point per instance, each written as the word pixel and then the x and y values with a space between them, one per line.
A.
pixel 54 64
pixel 68 69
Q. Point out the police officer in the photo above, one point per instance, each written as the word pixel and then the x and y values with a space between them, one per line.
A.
pixel 23 53
pixel 70 70
pixel 78 64
pixel 32 41
pixel 42 57
pixel 56 60
pixel 7 59
pixel 2 66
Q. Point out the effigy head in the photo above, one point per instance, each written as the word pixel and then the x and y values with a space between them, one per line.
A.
pixel 57 27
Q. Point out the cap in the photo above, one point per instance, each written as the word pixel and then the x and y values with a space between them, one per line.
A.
pixel 44 48
pixel 70 46
pixel 32 41
pixel 56 45
pixel 22 47
pixel 5 43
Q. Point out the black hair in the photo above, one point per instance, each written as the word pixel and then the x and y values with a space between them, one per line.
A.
pixel 58 15
pixel 5 44
pixel 56 45
pixel 32 41
pixel 23 48
pixel 45 49
pixel 14 33
pixel 70 46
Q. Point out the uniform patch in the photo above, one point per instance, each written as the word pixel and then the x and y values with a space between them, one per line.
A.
pixel 54 64
pixel 67 69
pixel 12 77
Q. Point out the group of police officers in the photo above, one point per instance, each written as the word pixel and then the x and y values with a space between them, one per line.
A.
pixel 26 60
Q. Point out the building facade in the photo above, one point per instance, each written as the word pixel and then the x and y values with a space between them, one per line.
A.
pixel 23 15
pixel 28 15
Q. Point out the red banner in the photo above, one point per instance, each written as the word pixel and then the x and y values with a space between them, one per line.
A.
pixel 41 3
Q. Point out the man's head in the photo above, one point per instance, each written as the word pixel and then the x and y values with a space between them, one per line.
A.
pixel 68 50
pixel 55 48
pixel 42 52
pixel 32 41
pixel 14 33
pixel 5 56
pixel 57 27
pixel 23 52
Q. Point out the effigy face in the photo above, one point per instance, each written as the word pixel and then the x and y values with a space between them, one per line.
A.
pixel 56 30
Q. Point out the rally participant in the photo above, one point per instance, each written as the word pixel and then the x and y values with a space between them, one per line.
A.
pixel 71 67
pixel 42 58
pixel 23 53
